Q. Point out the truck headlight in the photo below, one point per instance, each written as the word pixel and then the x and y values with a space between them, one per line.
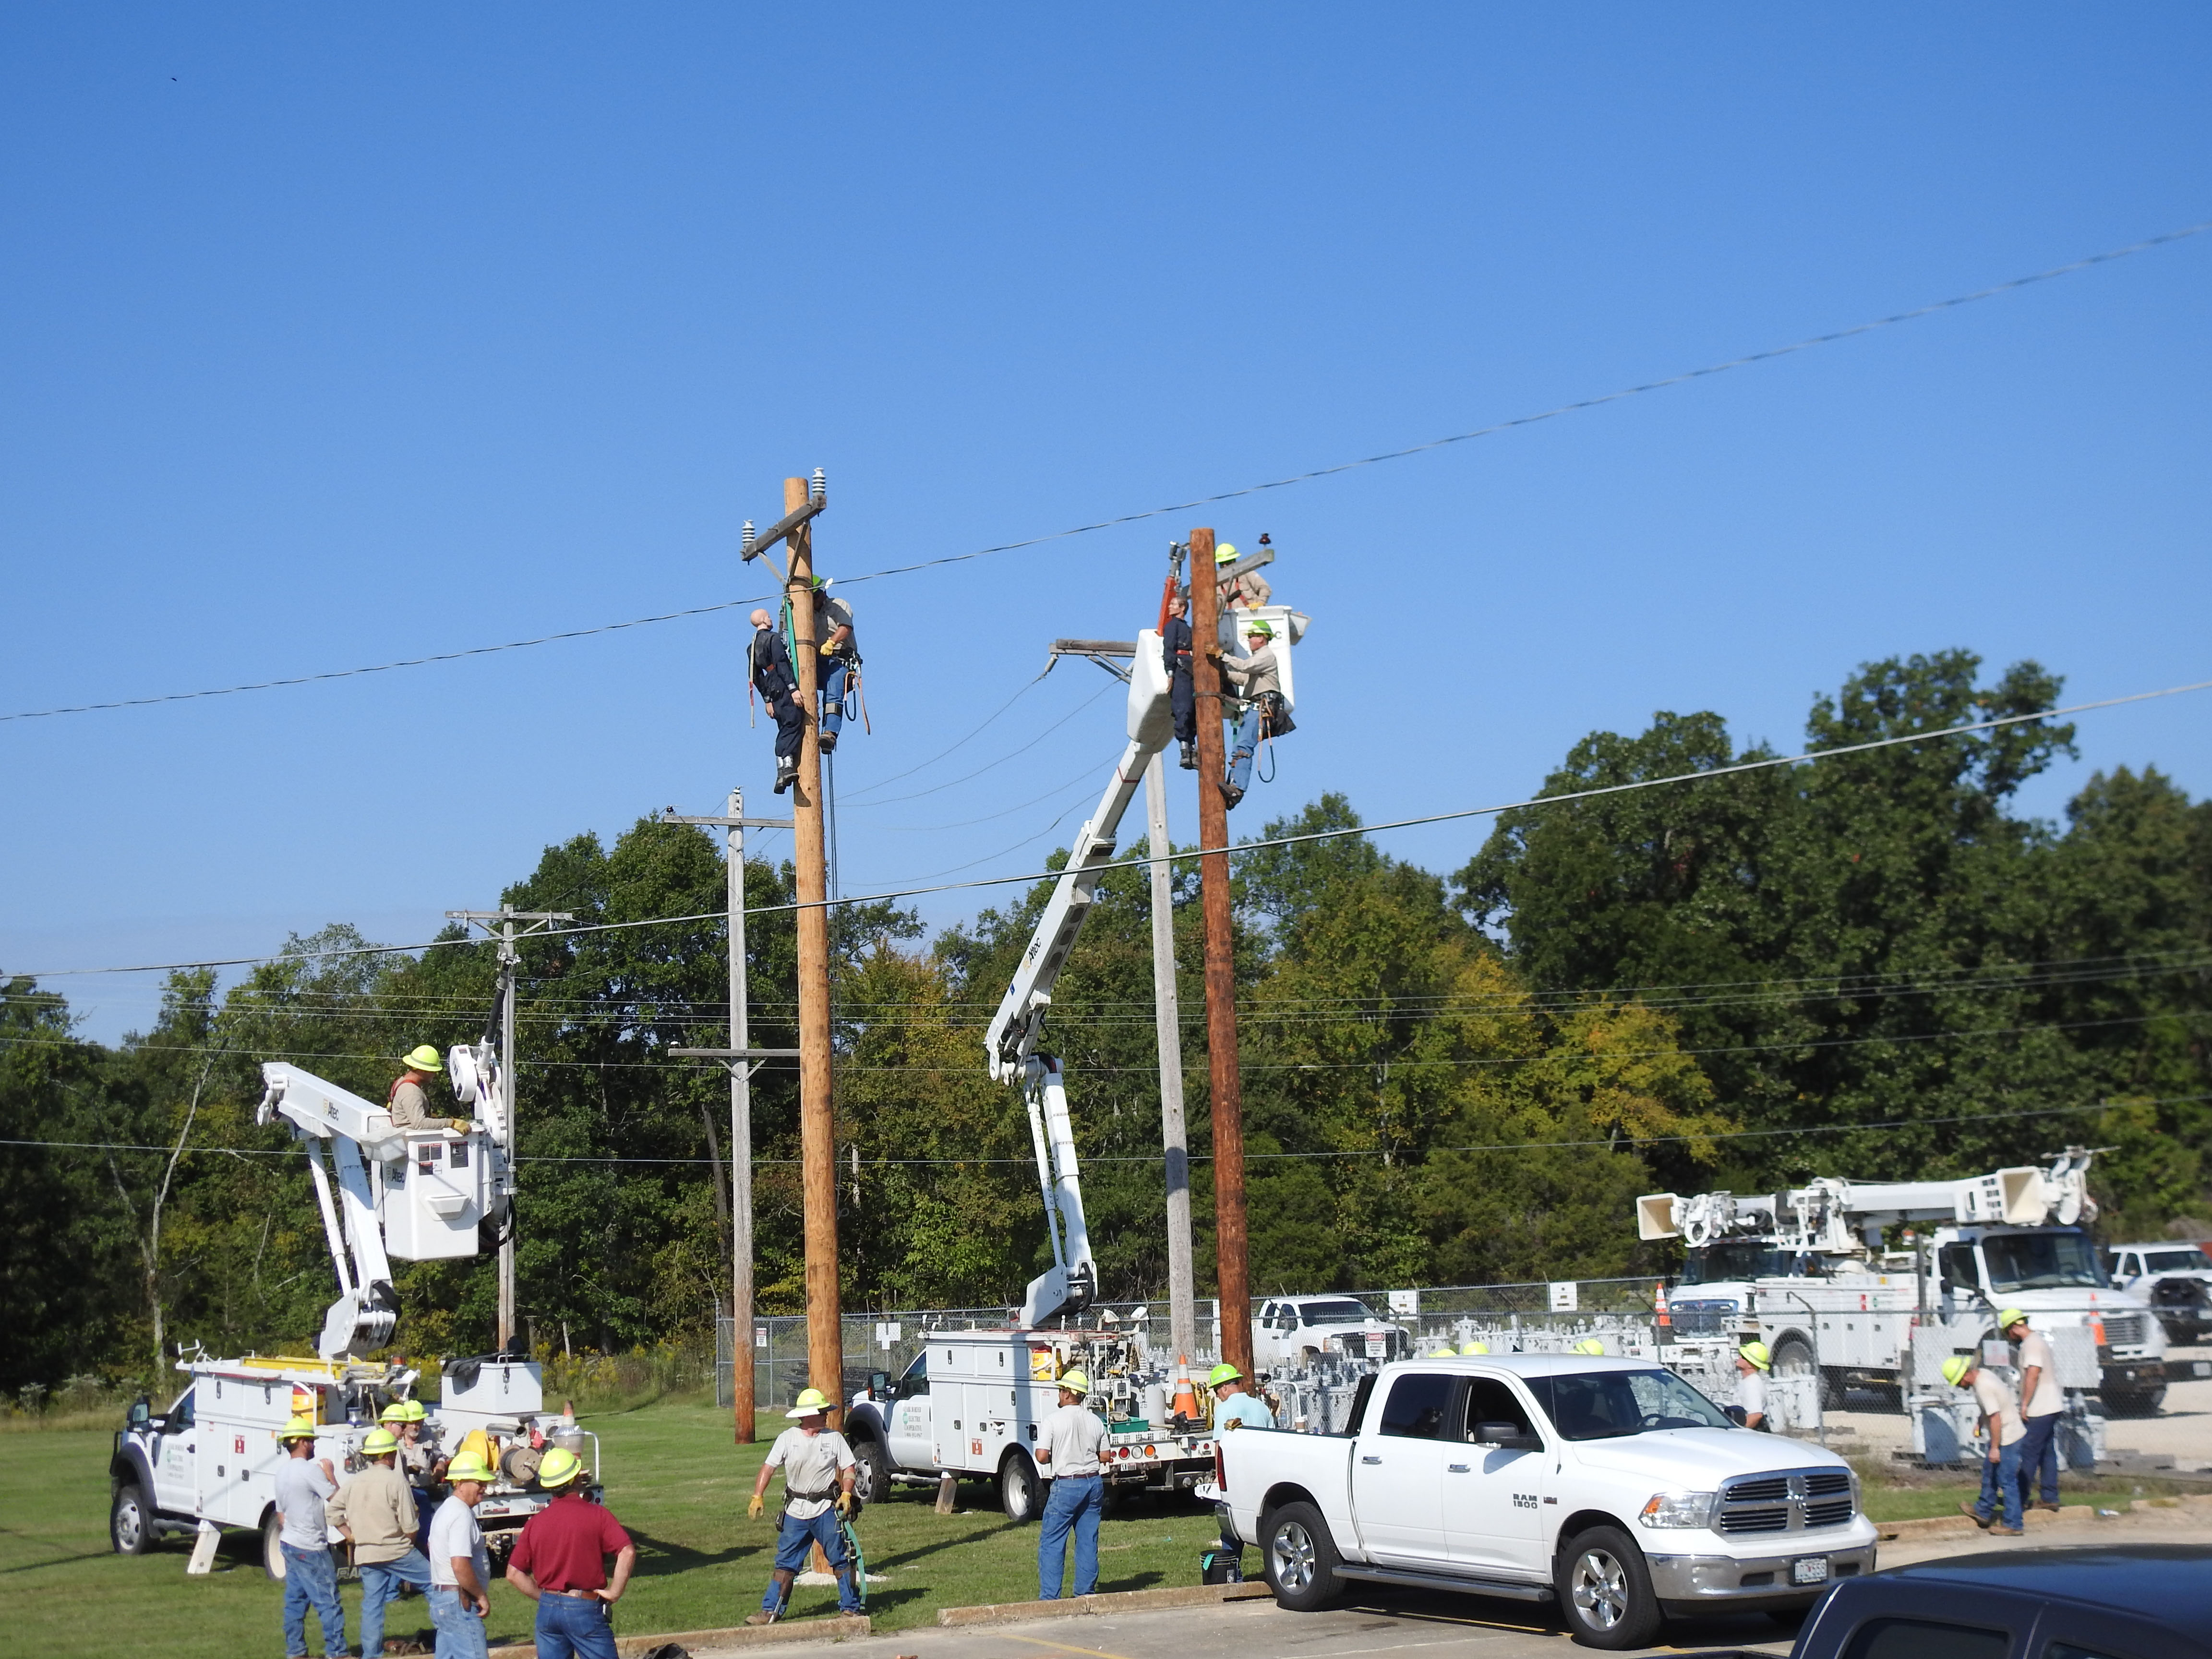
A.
pixel 1678 1509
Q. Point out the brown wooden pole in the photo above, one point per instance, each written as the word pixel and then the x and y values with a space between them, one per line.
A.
pixel 817 1153
pixel 1232 1269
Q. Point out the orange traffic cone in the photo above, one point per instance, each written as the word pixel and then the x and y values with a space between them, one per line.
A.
pixel 1659 1305
pixel 1185 1404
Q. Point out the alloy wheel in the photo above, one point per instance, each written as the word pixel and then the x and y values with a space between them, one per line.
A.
pixel 1601 1589
pixel 1292 1552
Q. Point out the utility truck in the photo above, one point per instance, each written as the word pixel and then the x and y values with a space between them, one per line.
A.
pixel 1807 1272
pixel 1608 1487
pixel 208 1463
pixel 971 1403
pixel 1304 1331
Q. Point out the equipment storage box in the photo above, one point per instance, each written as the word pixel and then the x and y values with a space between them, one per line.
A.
pixel 436 1195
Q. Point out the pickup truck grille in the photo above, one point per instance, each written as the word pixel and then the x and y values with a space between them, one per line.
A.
pixel 1798 1500
pixel 1715 1318
pixel 2124 1330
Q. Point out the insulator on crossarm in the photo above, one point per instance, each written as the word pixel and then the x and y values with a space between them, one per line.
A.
pixel 745 540
pixel 820 492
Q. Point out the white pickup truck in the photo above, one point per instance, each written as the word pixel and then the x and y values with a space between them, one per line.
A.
pixel 1609 1486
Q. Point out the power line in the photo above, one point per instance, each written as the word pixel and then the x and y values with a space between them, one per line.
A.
pixel 1575 407
pixel 1144 860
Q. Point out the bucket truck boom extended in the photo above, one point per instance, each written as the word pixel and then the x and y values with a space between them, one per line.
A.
pixel 1018 1028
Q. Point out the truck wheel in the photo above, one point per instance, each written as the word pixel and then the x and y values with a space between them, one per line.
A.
pixel 129 1525
pixel 2134 1402
pixel 1605 1590
pixel 1300 1558
pixel 272 1547
pixel 871 1481
pixel 1018 1488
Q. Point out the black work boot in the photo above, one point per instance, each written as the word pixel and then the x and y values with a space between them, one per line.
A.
pixel 1190 756
pixel 786 773
pixel 1230 794
pixel 827 740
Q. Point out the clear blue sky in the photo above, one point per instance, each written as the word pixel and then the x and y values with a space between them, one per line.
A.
pixel 335 336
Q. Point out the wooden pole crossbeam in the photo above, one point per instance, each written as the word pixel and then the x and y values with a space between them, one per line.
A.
pixel 781 528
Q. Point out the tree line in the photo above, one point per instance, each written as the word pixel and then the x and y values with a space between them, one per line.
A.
pixel 1870 965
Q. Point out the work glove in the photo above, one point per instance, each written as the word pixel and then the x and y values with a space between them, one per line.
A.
pixel 755 1509
pixel 844 1502
pixel 828 649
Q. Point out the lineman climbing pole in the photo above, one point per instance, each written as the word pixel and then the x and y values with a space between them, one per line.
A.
pixel 818 1154
pixel 1232 1270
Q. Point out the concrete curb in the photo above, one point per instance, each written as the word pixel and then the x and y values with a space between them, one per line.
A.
pixel 1080 1606
pixel 839 1628
pixel 1958 1526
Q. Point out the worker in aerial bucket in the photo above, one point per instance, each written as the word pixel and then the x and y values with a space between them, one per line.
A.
pixel 777 682
pixel 1259 684
pixel 1247 592
pixel 409 1102
pixel 1182 699
pixel 839 672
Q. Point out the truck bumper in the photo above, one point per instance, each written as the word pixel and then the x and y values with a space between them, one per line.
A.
pixel 1692 1581
pixel 2133 1376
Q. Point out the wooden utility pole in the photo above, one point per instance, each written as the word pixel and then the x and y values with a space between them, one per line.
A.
pixel 1232 1270
pixel 817 1153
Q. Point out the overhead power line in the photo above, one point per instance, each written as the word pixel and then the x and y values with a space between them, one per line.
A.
pixel 1575 407
pixel 1144 860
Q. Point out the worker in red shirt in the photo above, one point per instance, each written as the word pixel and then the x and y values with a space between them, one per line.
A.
pixel 560 1563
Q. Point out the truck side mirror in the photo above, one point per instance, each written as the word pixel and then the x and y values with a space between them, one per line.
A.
pixel 141 1412
pixel 1506 1437
pixel 879 1384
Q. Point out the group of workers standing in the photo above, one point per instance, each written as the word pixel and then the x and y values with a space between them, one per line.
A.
pixel 1256 704
pixel 837 677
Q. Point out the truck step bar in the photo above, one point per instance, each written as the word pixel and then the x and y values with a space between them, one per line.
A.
pixel 1509 1589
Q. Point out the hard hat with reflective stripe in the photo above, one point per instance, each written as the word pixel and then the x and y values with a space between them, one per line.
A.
pixel 395 1412
pixel 1476 1348
pixel 298 1428
pixel 1955 1369
pixel 1590 1344
pixel 1224 1373
pixel 1075 1380
pixel 559 1467
pixel 424 1058
pixel 2010 1317
pixel 414 1412
pixel 468 1467
pixel 1259 630
pixel 1756 1354
pixel 1225 553
pixel 379 1442
pixel 810 1401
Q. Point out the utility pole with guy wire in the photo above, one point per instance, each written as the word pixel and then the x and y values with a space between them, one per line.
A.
pixel 742 1061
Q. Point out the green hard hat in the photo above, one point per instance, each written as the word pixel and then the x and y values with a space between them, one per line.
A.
pixel 1222 1373
pixel 1955 1369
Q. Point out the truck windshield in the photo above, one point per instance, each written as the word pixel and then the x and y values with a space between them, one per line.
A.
pixel 1721 1264
pixel 1605 1405
pixel 1346 1312
pixel 2175 1261
pixel 2040 1262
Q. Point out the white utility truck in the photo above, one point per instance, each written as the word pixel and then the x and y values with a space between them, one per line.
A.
pixel 208 1463
pixel 1303 1331
pixel 1609 1487
pixel 1806 1272
pixel 971 1402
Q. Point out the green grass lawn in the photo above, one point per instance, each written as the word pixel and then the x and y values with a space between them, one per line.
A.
pixel 673 1479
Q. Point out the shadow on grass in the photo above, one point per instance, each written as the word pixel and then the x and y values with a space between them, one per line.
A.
pixel 920 1551
pixel 658 1559
pixel 1135 1581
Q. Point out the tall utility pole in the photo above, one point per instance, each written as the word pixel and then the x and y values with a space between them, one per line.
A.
pixel 1232 1270
pixel 818 1153
pixel 1182 1317
pixel 742 1061
pixel 509 962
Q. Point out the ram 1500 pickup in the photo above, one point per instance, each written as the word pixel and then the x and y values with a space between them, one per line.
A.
pixel 1609 1486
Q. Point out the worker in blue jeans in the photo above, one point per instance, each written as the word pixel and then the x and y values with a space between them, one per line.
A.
pixel 304 1483
pixel 1997 1510
pixel 1068 1444
pixel 819 1472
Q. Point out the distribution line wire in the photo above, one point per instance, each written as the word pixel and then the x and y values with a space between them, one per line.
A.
pixel 990 766
pixel 1145 860
pixel 1579 405
pixel 1207 1157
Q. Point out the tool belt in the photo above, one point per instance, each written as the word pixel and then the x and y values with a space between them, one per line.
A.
pixel 1274 715
pixel 790 1496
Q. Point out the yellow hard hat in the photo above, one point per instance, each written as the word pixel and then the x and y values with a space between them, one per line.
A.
pixel 1224 1373
pixel 1075 1380
pixel 1476 1348
pixel 558 1468
pixel 1225 553
pixel 1259 630
pixel 1955 1369
pixel 1756 1354
pixel 297 1428
pixel 379 1442
pixel 424 1058
pixel 414 1412
pixel 468 1467
pixel 1444 1352
pixel 1590 1344
pixel 810 1401
pixel 395 1412
pixel 2010 1317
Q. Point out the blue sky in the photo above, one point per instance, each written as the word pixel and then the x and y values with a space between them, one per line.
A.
pixel 335 337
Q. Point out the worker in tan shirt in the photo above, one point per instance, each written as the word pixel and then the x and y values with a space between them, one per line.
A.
pixel 2041 1405
pixel 2001 1425
pixel 375 1510
pixel 409 1102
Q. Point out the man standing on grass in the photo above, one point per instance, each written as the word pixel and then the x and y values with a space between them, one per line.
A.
pixel 560 1563
pixel 818 1488
pixel 460 1567
pixel 304 1483
pixel 2041 1405
pixel 1068 1445
pixel 376 1512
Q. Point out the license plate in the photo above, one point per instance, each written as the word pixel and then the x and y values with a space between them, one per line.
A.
pixel 2200 1367
pixel 1810 1570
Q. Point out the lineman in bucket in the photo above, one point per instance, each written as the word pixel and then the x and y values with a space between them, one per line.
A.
pixel 818 1488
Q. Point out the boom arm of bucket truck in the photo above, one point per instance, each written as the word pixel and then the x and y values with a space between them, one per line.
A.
pixel 1018 1028
pixel 416 1195
pixel 1833 1216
